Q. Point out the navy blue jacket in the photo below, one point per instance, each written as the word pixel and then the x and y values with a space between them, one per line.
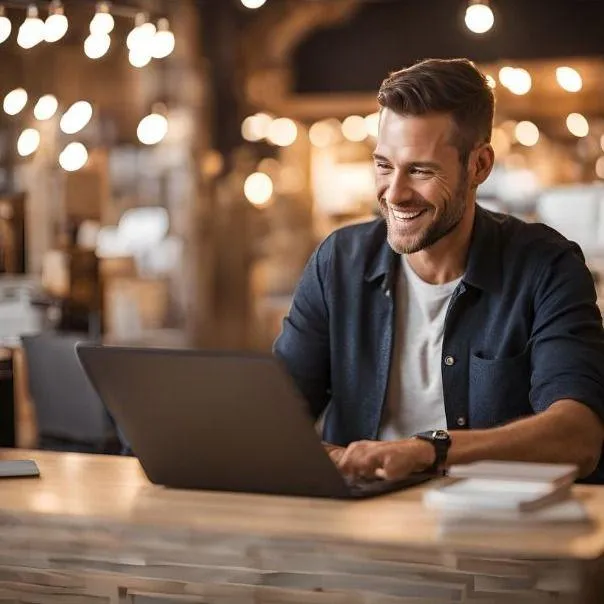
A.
pixel 522 329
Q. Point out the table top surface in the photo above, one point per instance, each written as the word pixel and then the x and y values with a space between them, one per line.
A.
pixel 108 489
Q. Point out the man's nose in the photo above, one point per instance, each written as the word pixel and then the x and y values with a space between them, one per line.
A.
pixel 399 189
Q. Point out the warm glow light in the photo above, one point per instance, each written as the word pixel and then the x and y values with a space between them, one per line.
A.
pixel 527 133
pixel 29 141
pixel 141 37
pixel 76 117
pixel 255 127
pixel 102 22
pixel 15 101
pixel 491 81
pixel 515 79
pixel 56 24
pixel 253 3
pixel 46 107
pixel 152 129
pixel 282 132
pixel 139 58
pixel 73 157
pixel 324 133
pixel 569 79
pixel 578 125
pixel 354 128
pixel 5 25
pixel 163 40
pixel 600 167
pixel 372 123
pixel 97 45
pixel 32 29
pixel 479 18
pixel 258 188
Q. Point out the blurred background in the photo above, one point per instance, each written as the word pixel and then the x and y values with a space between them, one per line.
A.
pixel 167 166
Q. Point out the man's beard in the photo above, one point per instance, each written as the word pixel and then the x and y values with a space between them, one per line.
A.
pixel 452 215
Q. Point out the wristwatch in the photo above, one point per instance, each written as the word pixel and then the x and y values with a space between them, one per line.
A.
pixel 441 441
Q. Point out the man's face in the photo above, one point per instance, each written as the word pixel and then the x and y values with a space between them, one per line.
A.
pixel 422 188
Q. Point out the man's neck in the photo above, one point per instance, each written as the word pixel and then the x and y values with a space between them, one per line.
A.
pixel 446 260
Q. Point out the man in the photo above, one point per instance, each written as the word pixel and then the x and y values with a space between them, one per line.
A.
pixel 443 333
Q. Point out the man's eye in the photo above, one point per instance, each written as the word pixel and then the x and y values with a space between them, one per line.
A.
pixel 420 172
pixel 382 166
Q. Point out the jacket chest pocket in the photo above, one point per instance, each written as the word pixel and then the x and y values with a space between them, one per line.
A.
pixel 498 390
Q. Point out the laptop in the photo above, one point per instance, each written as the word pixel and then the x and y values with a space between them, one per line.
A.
pixel 219 421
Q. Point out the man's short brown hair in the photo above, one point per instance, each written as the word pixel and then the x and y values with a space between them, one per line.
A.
pixel 453 86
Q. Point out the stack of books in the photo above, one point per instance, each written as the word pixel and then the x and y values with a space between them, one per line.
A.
pixel 506 491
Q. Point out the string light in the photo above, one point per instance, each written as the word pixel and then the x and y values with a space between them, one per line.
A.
pixel 73 157
pixel 76 117
pixel 5 25
pixel 102 22
pixel 255 127
pixel 372 123
pixel 152 129
pixel 258 188
pixel 578 125
pixel 354 128
pixel 282 132
pixel 527 133
pixel 569 79
pixel 96 45
pixel 324 133
pixel 479 17
pixel 163 40
pixel 28 142
pixel 253 4
pixel 517 80
pixel 139 58
pixel 46 107
pixel 31 32
pixel 142 34
pixel 15 101
pixel 56 24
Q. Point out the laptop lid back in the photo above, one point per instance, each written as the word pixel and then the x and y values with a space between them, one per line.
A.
pixel 213 420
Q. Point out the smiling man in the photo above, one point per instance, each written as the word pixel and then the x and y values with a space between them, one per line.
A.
pixel 443 333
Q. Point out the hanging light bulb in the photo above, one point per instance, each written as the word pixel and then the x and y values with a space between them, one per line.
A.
pixel 15 101
pixel 152 129
pixel 28 142
pixel 97 45
pixel 258 188
pixel 76 117
pixel 139 58
pixel 479 16
pixel 46 107
pixel 102 22
pixel 5 25
pixel 56 25
pixel 141 37
pixel 253 3
pixel 73 157
pixel 569 79
pixel 163 40
pixel 32 29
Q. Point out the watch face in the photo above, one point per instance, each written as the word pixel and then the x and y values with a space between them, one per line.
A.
pixel 440 435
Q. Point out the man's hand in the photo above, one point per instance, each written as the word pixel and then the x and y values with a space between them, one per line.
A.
pixel 335 452
pixel 391 460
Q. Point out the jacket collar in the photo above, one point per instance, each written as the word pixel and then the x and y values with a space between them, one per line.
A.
pixel 483 269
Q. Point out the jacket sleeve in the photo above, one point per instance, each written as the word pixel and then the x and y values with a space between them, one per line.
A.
pixel 567 338
pixel 303 344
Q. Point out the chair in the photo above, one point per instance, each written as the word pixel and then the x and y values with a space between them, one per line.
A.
pixel 70 415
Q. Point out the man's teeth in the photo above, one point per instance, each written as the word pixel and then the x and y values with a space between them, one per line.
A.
pixel 406 215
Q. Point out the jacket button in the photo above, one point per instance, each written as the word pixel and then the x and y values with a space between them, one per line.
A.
pixel 461 421
pixel 449 361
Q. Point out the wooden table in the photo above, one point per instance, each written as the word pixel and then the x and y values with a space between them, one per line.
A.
pixel 93 530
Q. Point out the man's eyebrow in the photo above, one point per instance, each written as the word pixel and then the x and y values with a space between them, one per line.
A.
pixel 377 156
pixel 417 164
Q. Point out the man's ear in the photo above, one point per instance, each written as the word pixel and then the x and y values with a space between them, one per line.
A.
pixel 482 164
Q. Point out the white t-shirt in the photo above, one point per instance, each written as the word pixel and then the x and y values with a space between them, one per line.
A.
pixel 415 401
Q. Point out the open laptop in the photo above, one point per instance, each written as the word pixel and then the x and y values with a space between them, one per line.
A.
pixel 219 421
